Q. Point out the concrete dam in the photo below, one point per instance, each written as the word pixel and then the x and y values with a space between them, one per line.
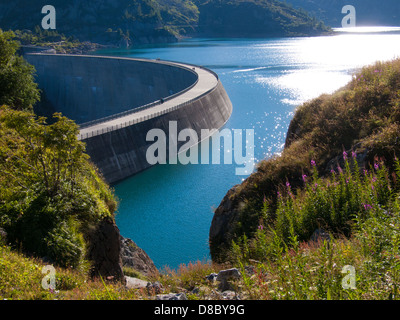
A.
pixel 117 101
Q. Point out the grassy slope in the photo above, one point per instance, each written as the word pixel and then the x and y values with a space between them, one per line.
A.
pixel 364 116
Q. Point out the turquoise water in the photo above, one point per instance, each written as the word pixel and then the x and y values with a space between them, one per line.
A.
pixel 167 210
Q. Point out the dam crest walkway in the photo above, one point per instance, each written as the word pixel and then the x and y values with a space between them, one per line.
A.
pixel 206 82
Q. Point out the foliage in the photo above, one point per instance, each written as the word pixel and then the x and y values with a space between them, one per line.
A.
pixel 17 86
pixel 50 193
pixel 293 265
pixel 363 116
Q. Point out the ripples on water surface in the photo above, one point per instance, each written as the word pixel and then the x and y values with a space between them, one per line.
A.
pixel 167 210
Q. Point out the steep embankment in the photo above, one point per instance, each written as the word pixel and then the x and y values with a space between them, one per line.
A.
pixel 362 117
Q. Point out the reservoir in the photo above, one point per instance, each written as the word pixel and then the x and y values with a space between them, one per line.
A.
pixel 167 210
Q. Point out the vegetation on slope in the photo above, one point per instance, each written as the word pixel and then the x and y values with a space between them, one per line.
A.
pixel 363 117
pixel 51 196
pixel 128 22
pixel 279 261
pixel 369 12
pixel 121 22
pixel 256 18
pixel 17 86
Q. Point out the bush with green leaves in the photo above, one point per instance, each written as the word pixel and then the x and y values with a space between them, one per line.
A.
pixel 17 85
pixel 51 195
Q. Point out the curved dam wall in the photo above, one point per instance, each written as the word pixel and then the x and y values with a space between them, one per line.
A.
pixel 117 145
pixel 86 88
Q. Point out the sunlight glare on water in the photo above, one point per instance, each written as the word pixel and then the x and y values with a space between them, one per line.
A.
pixel 324 64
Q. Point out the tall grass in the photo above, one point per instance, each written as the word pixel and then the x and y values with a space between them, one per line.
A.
pixel 359 213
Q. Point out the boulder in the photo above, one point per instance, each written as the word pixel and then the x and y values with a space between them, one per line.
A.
pixel 134 257
pixel 135 283
pixel 104 251
pixel 225 276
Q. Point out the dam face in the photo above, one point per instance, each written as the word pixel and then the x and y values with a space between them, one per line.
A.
pixel 85 88
pixel 117 101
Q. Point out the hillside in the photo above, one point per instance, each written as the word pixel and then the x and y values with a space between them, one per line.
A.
pixel 369 12
pixel 127 22
pixel 121 22
pixel 361 118
pixel 261 18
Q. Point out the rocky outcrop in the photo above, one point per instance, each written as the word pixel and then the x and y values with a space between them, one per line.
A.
pixel 104 251
pixel 222 225
pixel 110 252
pixel 134 257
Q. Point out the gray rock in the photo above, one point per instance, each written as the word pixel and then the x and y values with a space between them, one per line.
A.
pixel 171 296
pixel 212 277
pixel 230 295
pixel 229 274
pixel 155 287
pixel 134 257
pixel 225 276
pixel 135 283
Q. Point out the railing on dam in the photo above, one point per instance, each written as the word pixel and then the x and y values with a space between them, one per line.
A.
pixel 132 111
pixel 110 128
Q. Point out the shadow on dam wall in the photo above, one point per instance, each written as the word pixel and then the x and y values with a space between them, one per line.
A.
pixel 86 88
pixel 111 92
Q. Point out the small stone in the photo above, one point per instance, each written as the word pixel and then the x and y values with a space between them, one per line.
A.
pixel 229 274
pixel 155 287
pixel 171 296
pixel 212 277
pixel 135 283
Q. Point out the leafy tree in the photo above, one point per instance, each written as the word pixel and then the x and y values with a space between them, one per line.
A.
pixel 17 86
pixel 50 194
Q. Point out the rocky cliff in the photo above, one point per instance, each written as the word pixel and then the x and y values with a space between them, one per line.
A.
pixel 110 252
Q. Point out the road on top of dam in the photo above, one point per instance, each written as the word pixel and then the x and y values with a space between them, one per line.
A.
pixel 207 81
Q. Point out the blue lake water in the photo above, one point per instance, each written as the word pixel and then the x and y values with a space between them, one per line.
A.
pixel 167 210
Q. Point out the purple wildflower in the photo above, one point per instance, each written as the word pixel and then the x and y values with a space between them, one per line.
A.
pixel 344 155
pixel 304 177
pixel 287 184
pixel 353 155
pixel 313 163
pixel 367 206
pixel 260 227
pixel 376 166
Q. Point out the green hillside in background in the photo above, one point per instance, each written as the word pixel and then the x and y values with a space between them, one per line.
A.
pixel 127 22
pixel 368 12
